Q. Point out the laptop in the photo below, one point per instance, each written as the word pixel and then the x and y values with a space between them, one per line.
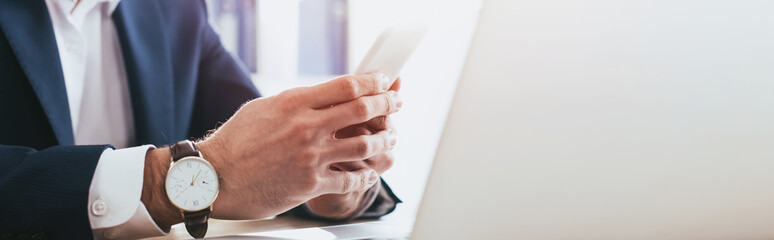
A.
pixel 592 119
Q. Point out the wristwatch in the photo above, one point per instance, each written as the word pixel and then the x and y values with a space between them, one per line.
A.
pixel 191 186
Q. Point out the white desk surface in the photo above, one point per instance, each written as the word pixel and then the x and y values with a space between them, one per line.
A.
pixel 297 228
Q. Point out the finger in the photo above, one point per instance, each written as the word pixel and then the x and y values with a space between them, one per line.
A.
pixel 358 148
pixel 396 86
pixel 353 130
pixel 371 126
pixel 349 181
pixel 380 123
pixel 345 88
pixel 349 166
pixel 380 162
pixel 363 109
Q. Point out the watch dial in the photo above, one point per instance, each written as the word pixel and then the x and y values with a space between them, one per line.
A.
pixel 192 184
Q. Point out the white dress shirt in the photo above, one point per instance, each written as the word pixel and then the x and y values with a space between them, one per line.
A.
pixel 101 113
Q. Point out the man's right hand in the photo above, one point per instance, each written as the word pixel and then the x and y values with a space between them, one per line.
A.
pixel 275 153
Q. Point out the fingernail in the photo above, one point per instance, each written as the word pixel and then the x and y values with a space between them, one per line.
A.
pixel 372 177
pixel 383 80
pixel 398 100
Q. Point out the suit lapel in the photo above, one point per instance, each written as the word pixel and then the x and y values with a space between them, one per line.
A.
pixel 148 69
pixel 27 26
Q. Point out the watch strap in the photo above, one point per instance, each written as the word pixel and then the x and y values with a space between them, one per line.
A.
pixel 183 149
pixel 196 222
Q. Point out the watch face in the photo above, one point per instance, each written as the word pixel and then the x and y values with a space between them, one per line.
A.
pixel 192 184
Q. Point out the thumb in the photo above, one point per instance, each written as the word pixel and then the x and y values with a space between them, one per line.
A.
pixel 395 86
pixel 350 181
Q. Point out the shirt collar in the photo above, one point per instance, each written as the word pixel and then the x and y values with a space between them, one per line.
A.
pixel 86 5
pixel 76 16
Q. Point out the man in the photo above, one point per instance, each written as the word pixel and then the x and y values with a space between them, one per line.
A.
pixel 76 76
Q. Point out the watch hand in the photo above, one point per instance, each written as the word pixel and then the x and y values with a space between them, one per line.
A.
pixel 195 177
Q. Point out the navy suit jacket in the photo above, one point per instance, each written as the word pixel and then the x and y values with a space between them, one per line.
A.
pixel 182 82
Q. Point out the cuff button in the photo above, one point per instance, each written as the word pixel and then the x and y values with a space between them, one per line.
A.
pixel 99 207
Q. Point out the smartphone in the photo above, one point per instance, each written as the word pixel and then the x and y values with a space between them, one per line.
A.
pixel 391 51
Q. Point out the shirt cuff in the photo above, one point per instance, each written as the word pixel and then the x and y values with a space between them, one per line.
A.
pixel 115 210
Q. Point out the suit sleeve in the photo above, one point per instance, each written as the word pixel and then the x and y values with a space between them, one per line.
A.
pixel 46 192
pixel 223 85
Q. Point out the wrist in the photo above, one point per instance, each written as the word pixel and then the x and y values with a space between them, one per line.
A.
pixel 154 196
pixel 210 150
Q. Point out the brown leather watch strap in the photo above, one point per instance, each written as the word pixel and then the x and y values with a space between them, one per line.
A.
pixel 196 222
pixel 183 149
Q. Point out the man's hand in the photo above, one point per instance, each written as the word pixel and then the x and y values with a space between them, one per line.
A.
pixel 340 206
pixel 275 153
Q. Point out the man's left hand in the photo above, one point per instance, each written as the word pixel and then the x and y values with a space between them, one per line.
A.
pixel 341 206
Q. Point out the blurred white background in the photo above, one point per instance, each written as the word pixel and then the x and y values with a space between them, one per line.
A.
pixel 290 43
